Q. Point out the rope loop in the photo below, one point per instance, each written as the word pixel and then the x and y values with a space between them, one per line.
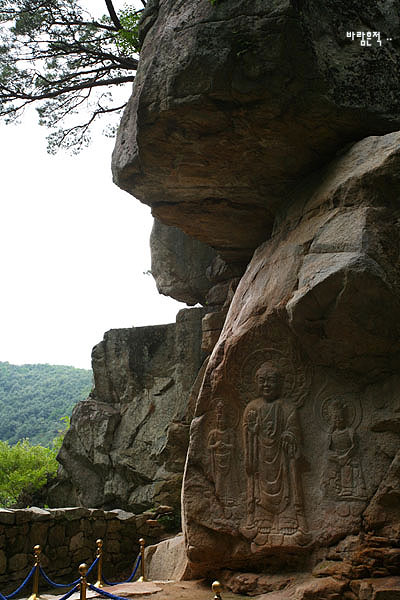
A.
pixel 68 594
pixel 23 584
pixel 131 576
pixel 64 585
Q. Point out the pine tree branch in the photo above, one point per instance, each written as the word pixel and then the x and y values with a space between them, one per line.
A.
pixel 113 15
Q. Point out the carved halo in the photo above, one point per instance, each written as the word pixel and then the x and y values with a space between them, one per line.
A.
pixel 324 409
pixel 295 376
pixel 230 412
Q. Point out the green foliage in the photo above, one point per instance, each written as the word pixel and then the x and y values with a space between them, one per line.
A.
pixel 24 468
pixel 127 38
pixel 55 55
pixel 171 522
pixel 34 398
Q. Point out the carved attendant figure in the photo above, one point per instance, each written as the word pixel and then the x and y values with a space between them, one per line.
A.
pixel 344 479
pixel 220 444
pixel 272 448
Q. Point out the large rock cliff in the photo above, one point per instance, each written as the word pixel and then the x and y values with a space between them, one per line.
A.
pixel 127 443
pixel 295 442
pixel 264 130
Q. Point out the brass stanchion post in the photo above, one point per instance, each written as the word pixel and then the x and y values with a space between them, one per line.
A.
pixel 35 587
pixel 83 569
pixel 143 576
pixel 216 588
pixel 99 554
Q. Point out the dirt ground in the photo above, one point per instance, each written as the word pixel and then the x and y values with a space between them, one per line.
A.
pixel 159 590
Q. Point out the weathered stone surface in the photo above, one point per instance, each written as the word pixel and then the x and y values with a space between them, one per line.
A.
pixel 57 535
pixel 69 513
pixel 212 326
pixel 290 448
pixel 38 533
pixel 220 271
pixel 127 443
pixel 3 562
pixel 332 568
pixel 210 337
pixel 76 542
pixel 214 320
pixel 387 588
pixel 234 101
pixel 39 514
pixel 253 584
pixel 179 264
pixel 301 586
pixel 167 560
pixel 136 588
pixel 123 515
pixel 7 516
pixel 222 293
pixel 18 562
pixel 328 588
pixel 382 513
pixel 21 516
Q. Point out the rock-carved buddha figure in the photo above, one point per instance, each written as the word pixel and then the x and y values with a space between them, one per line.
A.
pixel 272 439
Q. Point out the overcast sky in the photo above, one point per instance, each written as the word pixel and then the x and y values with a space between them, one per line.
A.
pixel 74 251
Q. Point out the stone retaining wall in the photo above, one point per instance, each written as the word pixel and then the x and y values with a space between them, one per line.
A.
pixel 68 537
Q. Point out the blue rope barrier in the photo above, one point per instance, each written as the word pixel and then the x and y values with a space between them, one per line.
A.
pixel 23 584
pixel 2 597
pixel 131 576
pixel 104 593
pixel 64 585
pixel 68 594
pixel 92 566
pixel 54 584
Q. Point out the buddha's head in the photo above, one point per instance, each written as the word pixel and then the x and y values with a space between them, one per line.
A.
pixel 269 382
pixel 220 412
pixel 338 415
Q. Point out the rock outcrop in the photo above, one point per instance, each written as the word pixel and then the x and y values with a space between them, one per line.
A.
pixel 263 130
pixel 295 441
pixel 235 101
pixel 167 560
pixel 127 443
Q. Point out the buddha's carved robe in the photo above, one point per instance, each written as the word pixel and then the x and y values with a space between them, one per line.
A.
pixel 272 436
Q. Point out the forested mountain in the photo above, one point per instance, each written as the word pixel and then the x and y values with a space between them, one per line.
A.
pixel 33 399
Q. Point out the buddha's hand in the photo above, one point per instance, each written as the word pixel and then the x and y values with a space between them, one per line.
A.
pixel 289 444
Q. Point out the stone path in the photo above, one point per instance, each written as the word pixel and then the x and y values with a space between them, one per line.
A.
pixel 328 588
pixel 165 590
pixel 135 589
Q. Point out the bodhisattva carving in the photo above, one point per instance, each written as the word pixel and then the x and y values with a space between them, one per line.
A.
pixel 271 432
pixel 343 478
pixel 220 445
